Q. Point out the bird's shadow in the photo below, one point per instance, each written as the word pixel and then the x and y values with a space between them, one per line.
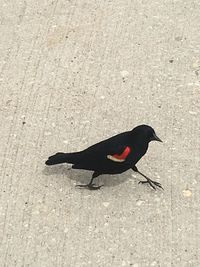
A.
pixel 84 177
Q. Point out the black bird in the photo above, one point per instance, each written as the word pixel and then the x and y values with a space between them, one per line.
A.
pixel 112 156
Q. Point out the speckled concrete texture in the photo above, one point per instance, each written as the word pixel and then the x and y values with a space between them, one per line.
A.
pixel 73 73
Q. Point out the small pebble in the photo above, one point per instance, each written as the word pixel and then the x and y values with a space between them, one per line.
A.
pixel 106 204
pixel 187 193
pixel 193 112
pixel 47 133
pixel 139 202
pixel 124 73
pixel 196 65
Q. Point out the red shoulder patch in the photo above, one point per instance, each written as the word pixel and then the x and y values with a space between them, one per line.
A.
pixel 124 154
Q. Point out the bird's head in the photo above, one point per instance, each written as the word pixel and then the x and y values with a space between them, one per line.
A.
pixel 146 133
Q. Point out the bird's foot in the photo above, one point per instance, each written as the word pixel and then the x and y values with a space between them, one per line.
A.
pixel 89 186
pixel 153 184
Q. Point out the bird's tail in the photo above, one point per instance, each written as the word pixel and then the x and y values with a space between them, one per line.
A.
pixel 60 157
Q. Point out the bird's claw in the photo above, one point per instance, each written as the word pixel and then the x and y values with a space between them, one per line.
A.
pixel 89 186
pixel 153 184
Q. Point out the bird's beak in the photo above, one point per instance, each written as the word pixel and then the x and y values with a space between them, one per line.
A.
pixel 156 138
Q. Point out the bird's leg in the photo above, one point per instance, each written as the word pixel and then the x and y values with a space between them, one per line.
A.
pixel 152 183
pixel 91 185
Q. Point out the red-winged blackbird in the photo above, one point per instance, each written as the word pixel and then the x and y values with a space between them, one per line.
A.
pixel 112 156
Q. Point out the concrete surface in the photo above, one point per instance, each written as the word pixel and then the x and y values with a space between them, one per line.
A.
pixel 73 73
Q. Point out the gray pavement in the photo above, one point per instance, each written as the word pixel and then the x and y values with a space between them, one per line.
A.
pixel 73 73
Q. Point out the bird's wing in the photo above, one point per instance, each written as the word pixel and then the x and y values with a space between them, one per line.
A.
pixel 115 146
pixel 100 156
pixel 111 150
